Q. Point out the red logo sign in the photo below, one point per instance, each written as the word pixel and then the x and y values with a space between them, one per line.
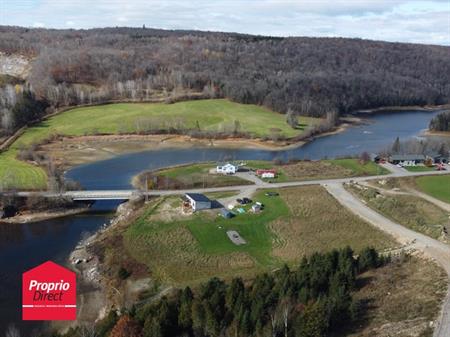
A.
pixel 49 293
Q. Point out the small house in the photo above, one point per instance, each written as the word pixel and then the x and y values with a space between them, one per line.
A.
pixel 198 201
pixel 226 214
pixel 266 173
pixel 227 168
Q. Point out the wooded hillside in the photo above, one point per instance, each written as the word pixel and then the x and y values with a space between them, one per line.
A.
pixel 309 76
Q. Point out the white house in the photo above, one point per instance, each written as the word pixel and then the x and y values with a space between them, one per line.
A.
pixel 227 168
pixel 198 201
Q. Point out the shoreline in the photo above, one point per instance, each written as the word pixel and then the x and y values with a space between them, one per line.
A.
pixel 430 133
pixel 401 108
pixel 30 217
pixel 88 149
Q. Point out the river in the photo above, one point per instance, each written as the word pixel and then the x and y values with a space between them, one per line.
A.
pixel 23 246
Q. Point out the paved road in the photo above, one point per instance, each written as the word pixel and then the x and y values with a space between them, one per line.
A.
pixel 127 194
pixel 432 248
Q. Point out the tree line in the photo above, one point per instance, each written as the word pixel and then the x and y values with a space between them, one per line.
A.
pixel 441 122
pixel 312 300
pixel 308 76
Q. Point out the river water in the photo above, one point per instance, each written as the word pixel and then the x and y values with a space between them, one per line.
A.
pixel 23 246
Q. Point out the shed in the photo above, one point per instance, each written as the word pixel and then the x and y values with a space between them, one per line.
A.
pixel 198 201
pixel 256 208
pixel 226 214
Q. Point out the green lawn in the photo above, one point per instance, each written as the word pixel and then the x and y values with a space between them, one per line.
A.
pixel 359 169
pixel 190 176
pixel 213 239
pixel 211 115
pixel 419 168
pixel 436 186
pixel 197 247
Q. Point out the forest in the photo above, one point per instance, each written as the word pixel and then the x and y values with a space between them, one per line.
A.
pixel 306 76
pixel 313 300
pixel 441 122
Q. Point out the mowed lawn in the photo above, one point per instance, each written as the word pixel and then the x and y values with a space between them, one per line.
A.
pixel 211 115
pixel 298 222
pixel 436 186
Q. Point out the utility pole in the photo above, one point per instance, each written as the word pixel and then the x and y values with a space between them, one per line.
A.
pixel 146 188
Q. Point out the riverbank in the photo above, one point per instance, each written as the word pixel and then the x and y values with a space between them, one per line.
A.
pixel 100 288
pixel 68 152
pixel 402 108
pixel 430 133
pixel 30 216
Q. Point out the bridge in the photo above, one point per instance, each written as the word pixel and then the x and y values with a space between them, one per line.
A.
pixel 94 195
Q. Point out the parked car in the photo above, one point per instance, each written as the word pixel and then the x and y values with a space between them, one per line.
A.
pixel 246 200
pixel 240 201
pixel 272 194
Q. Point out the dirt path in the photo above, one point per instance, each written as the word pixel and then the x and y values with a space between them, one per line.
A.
pixel 431 248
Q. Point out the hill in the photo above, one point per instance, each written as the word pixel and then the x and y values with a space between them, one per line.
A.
pixel 205 118
pixel 309 76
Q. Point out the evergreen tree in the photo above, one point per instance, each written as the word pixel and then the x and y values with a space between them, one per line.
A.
pixel 396 146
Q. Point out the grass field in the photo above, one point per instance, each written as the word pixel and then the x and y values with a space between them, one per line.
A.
pixel 436 186
pixel 212 115
pixel 323 169
pixel 188 176
pixel 183 249
pixel 360 169
pixel 410 211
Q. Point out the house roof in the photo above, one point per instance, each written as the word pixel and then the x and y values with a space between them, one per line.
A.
pixel 408 157
pixel 198 197
pixel 227 164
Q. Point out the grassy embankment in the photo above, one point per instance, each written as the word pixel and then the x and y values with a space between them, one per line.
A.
pixel 212 115
pixel 184 249
pixel 408 210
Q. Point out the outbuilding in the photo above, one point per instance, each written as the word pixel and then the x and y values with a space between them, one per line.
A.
pixel 226 213
pixel 198 201
pixel 266 173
